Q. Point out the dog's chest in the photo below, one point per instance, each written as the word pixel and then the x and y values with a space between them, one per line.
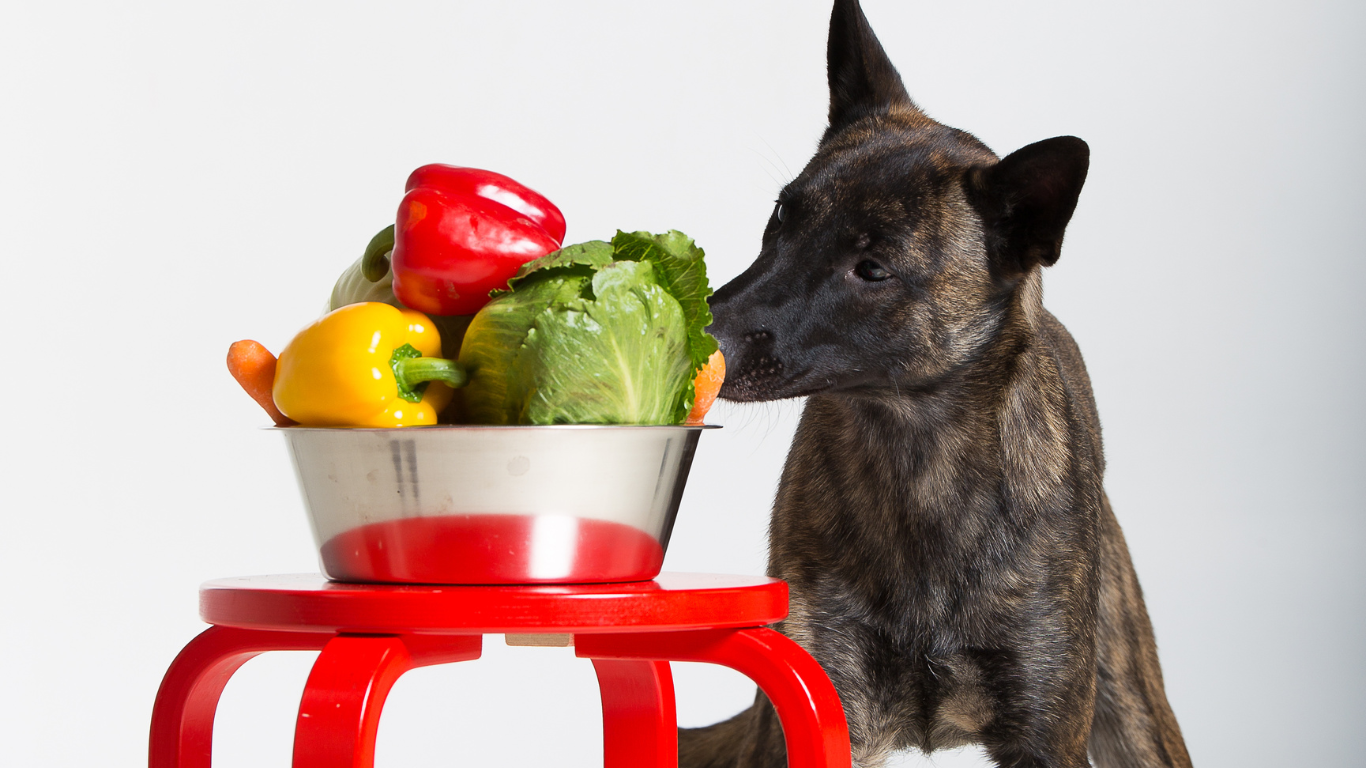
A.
pixel 910 566
pixel 916 524
pixel 900 687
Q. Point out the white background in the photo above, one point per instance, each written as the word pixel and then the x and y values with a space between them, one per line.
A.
pixel 177 176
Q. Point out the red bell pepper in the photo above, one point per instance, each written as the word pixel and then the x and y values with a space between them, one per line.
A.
pixel 493 186
pixel 462 232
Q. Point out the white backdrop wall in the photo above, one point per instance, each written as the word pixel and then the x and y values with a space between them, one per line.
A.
pixel 176 176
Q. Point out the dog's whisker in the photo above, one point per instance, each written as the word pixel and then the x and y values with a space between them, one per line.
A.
pixel 779 180
pixel 788 175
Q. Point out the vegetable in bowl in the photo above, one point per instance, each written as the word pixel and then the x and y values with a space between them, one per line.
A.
pixel 595 333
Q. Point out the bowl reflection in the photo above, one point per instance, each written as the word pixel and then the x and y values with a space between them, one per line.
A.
pixel 492 505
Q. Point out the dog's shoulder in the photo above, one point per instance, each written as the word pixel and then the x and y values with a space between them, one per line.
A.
pixel 1076 382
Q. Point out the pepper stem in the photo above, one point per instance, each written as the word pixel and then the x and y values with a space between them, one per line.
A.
pixel 412 372
pixel 375 263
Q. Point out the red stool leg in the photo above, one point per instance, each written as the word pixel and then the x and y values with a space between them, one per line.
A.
pixel 339 714
pixel 639 723
pixel 182 717
pixel 814 728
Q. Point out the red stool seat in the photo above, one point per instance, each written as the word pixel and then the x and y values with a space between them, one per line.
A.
pixel 370 634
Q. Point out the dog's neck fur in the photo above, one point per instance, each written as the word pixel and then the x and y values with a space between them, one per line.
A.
pixel 924 454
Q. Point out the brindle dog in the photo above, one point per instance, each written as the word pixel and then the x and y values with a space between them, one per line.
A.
pixel 953 560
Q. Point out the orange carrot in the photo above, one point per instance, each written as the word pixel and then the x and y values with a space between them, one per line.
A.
pixel 254 368
pixel 707 384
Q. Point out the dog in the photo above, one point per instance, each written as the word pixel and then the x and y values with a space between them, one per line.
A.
pixel 953 561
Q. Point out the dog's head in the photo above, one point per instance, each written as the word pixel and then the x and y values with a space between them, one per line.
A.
pixel 895 256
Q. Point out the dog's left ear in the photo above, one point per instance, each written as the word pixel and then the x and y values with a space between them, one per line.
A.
pixel 863 81
pixel 1027 199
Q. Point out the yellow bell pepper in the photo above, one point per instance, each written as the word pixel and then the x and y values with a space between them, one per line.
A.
pixel 366 365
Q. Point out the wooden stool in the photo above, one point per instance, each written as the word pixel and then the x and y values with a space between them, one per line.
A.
pixel 370 634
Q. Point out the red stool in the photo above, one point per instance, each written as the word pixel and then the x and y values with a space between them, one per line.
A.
pixel 370 634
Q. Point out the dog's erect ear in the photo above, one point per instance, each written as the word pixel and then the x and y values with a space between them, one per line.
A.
pixel 862 79
pixel 1027 199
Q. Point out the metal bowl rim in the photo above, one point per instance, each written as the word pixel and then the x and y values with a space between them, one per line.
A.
pixel 499 427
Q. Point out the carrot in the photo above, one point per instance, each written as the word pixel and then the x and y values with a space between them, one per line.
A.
pixel 254 368
pixel 707 384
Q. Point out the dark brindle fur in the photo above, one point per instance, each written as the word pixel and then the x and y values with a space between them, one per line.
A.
pixel 954 563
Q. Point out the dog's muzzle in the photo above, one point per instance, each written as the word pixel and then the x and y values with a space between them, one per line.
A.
pixel 753 370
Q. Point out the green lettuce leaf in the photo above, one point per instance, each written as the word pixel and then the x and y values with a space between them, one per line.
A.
pixel 619 358
pixel 582 259
pixel 594 333
pixel 680 269
pixel 495 393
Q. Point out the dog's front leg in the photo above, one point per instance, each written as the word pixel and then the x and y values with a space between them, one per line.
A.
pixel 1043 699
pixel 1134 724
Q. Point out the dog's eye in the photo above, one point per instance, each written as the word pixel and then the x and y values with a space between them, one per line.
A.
pixel 871 271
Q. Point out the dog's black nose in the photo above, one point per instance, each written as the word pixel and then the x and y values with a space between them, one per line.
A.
pixel 735 342
pixel 720 322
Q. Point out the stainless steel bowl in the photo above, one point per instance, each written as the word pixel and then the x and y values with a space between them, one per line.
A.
pixel 492 505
